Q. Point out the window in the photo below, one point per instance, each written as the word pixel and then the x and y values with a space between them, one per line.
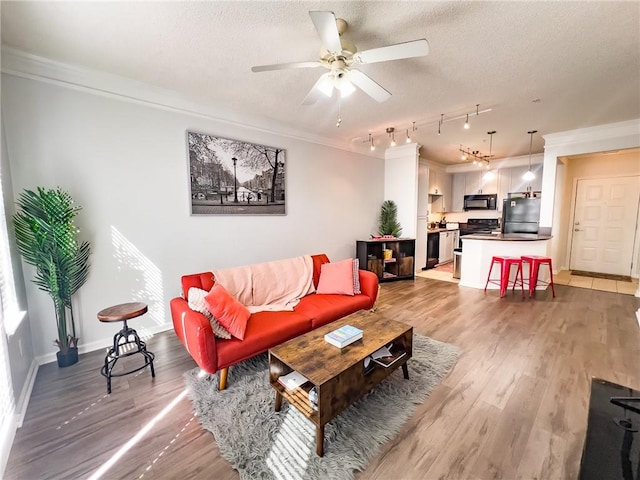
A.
pixel 11 314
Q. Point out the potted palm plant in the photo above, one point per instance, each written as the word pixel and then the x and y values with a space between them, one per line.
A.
pixel 47 239
pixel 388 220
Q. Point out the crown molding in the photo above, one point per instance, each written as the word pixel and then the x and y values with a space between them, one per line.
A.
pixel 25 65
pixel 629 128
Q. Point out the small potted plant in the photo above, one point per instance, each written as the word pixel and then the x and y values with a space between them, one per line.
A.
pixel 47 239
pixel 388 222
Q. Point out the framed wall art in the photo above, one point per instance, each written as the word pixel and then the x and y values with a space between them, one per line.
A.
pixel 234 177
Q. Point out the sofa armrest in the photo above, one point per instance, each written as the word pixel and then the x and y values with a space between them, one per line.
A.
pixel 194 331
pixel 369 285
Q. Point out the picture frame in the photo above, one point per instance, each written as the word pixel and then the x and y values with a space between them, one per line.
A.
pixel 235 177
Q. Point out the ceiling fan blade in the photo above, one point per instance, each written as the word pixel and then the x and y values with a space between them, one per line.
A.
pixel 368 86
pixel 323 87
pixel 325 23
pixel 415 48
pixel 285 66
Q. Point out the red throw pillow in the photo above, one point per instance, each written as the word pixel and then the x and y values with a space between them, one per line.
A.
pixel 229 312
pixel 336 277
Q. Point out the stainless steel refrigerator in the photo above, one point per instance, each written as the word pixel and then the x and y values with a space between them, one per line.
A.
pixel 520 215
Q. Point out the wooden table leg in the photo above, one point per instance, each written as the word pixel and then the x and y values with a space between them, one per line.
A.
pixel 278 401
pixel 320 440
pixel 405 371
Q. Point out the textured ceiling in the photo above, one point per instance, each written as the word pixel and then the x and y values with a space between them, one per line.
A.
pixel 580 59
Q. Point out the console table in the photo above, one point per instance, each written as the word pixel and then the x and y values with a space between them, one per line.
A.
pixel 389 259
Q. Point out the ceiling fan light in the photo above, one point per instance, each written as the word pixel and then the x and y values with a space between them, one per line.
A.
pixel 345 87
pixel 326 84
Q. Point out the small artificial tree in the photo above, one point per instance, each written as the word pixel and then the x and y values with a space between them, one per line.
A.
pixel 46 238
pixel 389 224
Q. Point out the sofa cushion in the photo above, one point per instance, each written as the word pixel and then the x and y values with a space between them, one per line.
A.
pixel 229 312
pixel 323 309
pixel 198 303
pixel 264 330
pixel 336 277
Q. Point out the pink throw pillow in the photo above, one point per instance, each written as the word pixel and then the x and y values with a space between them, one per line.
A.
pixel 336 277
pixel 229 312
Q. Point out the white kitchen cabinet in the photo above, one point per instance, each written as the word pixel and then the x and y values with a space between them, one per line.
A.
pixel 478 182
pixel 518 184
pixel 447 191
pixel 457 192
pixel 440 191
pixel 446 246
pixel 434 187
pixel 488 183
pixel 472 183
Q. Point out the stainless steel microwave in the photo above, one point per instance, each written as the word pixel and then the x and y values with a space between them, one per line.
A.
pixel 480 202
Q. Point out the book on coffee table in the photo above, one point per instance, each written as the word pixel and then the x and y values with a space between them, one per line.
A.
pixel 387 356
pixel 343 336
pixel 292 380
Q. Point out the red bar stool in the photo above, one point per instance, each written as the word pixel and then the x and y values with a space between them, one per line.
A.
pixel 505 271
pixel 534 262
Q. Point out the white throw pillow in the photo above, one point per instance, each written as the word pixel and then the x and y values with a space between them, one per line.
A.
pixel 197 303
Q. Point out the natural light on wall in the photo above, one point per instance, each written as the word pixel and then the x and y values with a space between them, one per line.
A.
pixel 144 276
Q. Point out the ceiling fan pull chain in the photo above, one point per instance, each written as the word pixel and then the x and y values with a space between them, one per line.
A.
pixel 339 119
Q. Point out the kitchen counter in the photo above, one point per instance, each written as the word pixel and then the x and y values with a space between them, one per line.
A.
pixel 438 230
pixel 516 237
pixel 477 250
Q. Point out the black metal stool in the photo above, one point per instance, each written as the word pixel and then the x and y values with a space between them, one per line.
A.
pixel 122 313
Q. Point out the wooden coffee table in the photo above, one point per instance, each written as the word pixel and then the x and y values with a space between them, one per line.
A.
pixel 338 373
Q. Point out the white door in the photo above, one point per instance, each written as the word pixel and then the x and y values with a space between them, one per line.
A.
pixel 605 217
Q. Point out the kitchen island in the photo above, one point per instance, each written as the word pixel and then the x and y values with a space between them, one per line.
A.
pixel 478 249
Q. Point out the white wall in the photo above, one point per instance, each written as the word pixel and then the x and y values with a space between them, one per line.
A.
pixel 614 136
pixel 125 163
pixel 401 184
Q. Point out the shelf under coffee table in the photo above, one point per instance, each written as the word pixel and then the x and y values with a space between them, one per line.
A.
pixel 338 373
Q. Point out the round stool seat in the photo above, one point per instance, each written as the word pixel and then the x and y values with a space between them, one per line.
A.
pixel 121 312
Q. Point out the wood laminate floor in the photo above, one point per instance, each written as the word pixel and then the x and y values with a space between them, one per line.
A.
pixel 514 406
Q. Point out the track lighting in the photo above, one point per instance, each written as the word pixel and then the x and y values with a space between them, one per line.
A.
pixel 392 135
pixel 414 125
pixel 466 123
pixel 529 175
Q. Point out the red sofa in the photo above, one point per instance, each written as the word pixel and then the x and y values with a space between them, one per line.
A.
pixel 264 329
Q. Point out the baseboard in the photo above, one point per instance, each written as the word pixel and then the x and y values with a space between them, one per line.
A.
pixel 25 395
pixel 103 344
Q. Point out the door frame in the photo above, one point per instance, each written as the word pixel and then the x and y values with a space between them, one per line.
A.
pixel 635 258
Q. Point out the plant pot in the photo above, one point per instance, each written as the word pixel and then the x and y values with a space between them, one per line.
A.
pixel 69 359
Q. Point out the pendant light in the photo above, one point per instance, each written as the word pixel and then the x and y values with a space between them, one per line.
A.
pixel 529 175
pixel 489 175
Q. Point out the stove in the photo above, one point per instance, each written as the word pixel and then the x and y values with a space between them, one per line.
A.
pixel 477 225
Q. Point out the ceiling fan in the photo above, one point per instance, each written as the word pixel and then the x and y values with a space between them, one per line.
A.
pixel 339 55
